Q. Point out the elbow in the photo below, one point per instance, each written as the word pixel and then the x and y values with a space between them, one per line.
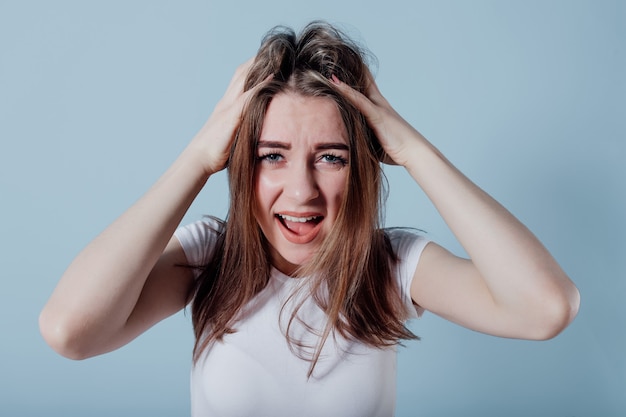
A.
pixel 557 313
pixel 62 336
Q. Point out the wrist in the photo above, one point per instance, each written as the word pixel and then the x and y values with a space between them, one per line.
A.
pixel 198 158
pixel 193 162
pixel 412 149
pixel 420 155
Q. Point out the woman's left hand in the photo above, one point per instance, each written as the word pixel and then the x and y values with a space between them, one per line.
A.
pixel 396 135
pixel 511 286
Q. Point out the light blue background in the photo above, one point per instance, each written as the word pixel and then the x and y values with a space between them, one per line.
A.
pixel 526 97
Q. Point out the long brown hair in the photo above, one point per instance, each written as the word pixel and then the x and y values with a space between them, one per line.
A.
pixel 350 275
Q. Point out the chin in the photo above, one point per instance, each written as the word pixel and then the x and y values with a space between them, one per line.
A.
pixel 289 262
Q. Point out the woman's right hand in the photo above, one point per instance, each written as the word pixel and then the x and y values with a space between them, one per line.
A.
pixel 214 140
pixel 129 277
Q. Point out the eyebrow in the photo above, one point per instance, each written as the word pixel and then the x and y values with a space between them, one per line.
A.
pixel 287 146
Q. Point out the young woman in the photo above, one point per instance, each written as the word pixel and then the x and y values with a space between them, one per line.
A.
pixel 299 298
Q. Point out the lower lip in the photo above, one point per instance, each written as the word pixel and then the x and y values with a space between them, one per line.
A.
pixel 298 239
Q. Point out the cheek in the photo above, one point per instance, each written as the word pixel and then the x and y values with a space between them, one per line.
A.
pixel 265 190
pixel 337 190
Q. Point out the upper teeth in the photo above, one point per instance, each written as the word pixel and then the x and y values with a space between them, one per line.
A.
pixel 297 219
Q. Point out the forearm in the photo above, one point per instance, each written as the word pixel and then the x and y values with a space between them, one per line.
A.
pixel 482 225
pixel 519 272
pixel 511 285
pixel 100 289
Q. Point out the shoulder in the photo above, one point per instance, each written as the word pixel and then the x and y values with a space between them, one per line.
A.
pixel 198 239
pixel 407 245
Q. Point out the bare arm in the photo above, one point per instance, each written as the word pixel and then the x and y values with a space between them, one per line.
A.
pixel 127 278
pixel 511 286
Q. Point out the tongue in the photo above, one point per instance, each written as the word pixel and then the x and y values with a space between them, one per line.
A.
pixel 300 228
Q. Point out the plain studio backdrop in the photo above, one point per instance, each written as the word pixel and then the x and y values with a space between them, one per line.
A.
pixel 526 97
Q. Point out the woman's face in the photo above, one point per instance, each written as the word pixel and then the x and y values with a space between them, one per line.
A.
pixel 300 177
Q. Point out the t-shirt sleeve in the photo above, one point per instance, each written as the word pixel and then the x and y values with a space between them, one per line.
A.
pixel 408 247
pixel 198 241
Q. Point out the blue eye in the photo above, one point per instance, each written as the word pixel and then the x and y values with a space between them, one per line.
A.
pixel 272 158
pixel 334 159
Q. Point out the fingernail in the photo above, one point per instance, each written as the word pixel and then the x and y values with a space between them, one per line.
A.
pixel 334 79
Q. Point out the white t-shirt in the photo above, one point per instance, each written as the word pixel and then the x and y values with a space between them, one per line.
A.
pixel 253 372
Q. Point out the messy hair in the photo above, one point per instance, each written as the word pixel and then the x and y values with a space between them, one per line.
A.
pixel 350 276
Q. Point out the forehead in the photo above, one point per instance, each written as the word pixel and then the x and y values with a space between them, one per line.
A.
pixel 292 116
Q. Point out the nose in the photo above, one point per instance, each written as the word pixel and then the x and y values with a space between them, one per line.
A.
pixel 301 183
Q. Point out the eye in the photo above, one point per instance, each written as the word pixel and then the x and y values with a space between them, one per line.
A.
pixel 271 158
pixel 334 159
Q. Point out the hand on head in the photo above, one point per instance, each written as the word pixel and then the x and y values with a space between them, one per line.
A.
pixel 392 131
pixel 215 138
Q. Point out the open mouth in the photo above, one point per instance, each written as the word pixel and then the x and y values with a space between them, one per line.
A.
pixel 300 229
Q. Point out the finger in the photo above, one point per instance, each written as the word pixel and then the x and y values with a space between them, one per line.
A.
pixel 245 96
pixel 373 92
pixel 360 101
pixel 235 87
pixel 368 106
